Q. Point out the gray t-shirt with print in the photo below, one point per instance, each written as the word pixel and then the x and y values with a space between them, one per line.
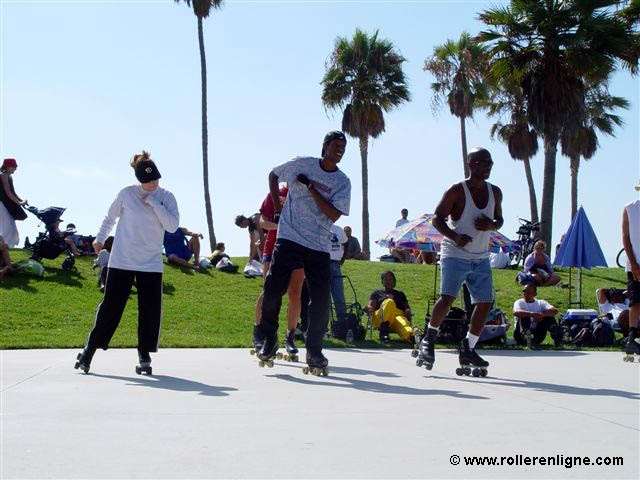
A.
pixel 301 220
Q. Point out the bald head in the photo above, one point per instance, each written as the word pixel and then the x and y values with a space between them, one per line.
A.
pixel 480 163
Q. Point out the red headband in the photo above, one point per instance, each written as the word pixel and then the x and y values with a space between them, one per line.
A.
pixel 9 163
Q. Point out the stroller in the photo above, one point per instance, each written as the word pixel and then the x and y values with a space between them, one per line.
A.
pixel 50 244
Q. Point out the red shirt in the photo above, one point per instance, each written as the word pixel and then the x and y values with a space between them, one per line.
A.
pixel 267 210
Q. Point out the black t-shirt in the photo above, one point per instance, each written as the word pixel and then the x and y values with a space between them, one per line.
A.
pixel 397 296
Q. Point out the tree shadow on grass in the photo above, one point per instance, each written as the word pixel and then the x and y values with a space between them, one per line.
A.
pixel 548 387
pixel 375 387
pixel 176 384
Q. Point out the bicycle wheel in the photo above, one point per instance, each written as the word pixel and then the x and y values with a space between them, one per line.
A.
pixel 621 259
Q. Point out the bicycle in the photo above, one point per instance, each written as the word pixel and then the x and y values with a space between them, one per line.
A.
pixel 523 246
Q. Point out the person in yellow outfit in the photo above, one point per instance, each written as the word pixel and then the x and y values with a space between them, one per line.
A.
pixel 390 310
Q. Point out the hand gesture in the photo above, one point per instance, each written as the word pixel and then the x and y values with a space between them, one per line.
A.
pixel 97 246
pixel 484 223
pixel 463 240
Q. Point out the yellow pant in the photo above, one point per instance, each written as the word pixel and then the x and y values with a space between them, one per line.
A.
pixel 398 322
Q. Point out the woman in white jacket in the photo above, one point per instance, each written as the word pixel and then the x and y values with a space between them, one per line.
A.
pixel 145 211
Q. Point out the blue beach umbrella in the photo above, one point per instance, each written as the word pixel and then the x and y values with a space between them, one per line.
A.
pixel 580 249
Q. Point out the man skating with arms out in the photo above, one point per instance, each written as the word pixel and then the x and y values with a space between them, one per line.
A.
pixel 474 208
pixel 319 194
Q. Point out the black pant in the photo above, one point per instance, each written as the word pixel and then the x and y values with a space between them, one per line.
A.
pixel 288 256
pixel 539 332
pixel 116 294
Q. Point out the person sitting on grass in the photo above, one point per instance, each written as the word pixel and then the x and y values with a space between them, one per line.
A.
pixel 352 250
pixel 102 262
pixel 179 250
pixel 614 304
pixel 390 310
pixel 6 267
pixel 534 318
pixel 538 269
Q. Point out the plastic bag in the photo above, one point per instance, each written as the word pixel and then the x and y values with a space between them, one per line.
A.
pixel 30 267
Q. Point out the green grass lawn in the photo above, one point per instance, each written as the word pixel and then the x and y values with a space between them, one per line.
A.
pixel 212 309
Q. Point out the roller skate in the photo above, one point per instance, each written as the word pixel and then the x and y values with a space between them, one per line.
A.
pixel 290 346
pixel 631 350
pixel 268 352
pixel 427 355
pixel 144 363
pixel 257 341
pixel 417 338
pixel 84 359
pixel 470 362
pixel 317 365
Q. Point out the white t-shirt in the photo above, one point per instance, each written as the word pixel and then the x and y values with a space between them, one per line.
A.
pixel 633 215
pixel 537 306
pixel 338 239
pixel 401 222
pixel 615 309
pixel 142 219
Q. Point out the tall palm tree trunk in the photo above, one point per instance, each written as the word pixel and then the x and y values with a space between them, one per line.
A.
pixel 364 151
pixel 533 199
pixel 575 167
pixel 463 139
pixel 205 138
pixel 548 187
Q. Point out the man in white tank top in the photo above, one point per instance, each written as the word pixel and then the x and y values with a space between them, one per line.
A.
pixel 631 242
pixel 474 209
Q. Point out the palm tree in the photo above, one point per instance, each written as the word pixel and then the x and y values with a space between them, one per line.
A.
pixel 581 140
pixel 364 75
pixel 555 45
pixel 459 67
pixel 521 140
pixel 202 9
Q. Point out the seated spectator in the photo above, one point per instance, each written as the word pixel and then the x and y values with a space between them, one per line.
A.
pixel 179 250
pixel 352 250
pixel 538 269
pixel 6 267
pixel 534 318
pixel 102 262
pixel 404 213
pixel 390 310
pixel 63 238
pixel 256 234
pixel 402 255
pixel 84 243
pixel 218 254
pixel 427 258
pixel 614 303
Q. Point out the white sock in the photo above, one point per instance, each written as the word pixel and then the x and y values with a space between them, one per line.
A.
pixel 437 329
pixel 473 339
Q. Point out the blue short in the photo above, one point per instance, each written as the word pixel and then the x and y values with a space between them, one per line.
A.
pixel 184 253
pixel 267 258
pixel 475 273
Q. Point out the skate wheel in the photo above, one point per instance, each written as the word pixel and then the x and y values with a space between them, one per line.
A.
pixel 325 372
pixel 261 364
pixel 418 363
pixel 77 365
pixel 467 371
pixel 305 370
pixel 79 356
pixel 252 352
pixel 429 366
pixel 475 372
pixel 459 372
pixel 483 372
pixel 414 353
pixel 279 356
pixel 270 364
pixel 138 370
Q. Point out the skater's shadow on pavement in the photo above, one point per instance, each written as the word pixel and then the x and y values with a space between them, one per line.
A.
pixel 534 353
pixel 549 387
pixel 177 384
pixel 352 371
pixel 375 387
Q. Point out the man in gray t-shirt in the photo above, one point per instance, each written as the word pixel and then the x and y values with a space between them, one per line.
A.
pixel 319 193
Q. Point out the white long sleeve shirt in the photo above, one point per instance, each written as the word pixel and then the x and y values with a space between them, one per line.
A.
pixel 143 218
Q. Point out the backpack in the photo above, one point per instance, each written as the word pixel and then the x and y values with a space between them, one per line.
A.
pixel 602 334
pixel 453 328
pixel 350 330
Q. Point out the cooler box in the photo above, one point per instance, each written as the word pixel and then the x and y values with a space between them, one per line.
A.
pixel 579 315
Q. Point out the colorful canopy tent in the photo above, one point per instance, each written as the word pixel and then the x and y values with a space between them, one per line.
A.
pixel 420 234
pixel 579 249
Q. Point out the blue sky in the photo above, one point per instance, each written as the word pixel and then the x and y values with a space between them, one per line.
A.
pixel 87 84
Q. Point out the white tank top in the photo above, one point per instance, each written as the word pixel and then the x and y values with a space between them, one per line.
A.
pixel 633 215
pixel 478 248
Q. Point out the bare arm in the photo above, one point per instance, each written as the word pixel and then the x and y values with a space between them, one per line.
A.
pixel 628 248
pixel 550 312
pixel 266 224
pixel 275 192
pixel 443 211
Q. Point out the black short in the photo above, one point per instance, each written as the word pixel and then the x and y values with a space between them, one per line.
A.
pixel 633 290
